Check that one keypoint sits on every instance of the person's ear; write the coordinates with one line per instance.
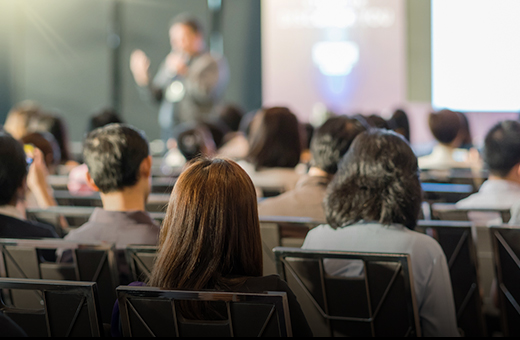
(145, 169)
(90, 182)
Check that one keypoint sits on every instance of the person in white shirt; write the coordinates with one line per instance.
(448, 129)
(372, 205)
(501, 155)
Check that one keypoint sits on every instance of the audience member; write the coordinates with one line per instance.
(399, 123)
(210, 240)
(466, 139)
(15, 178)
(372, 205)
(54, 124)
(377, 121)
(501, 155)
(275, 147)
(18, 118)
(104, 117)
(446, 127)
(236, 145)
(47, 144)
(119, 167)
(77, 183)
(329, 143)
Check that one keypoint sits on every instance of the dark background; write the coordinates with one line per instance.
(72, 56)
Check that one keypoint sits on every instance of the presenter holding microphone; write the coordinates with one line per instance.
(190, 81)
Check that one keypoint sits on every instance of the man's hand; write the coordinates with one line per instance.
(139, 65)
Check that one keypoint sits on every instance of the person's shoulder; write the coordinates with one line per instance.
(27, 228)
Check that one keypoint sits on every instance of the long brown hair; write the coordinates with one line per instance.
(210, 238)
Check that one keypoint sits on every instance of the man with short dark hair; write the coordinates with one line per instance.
(15, 179)
(189, 82)
(501, 156)
(329, 143)
(119, 167)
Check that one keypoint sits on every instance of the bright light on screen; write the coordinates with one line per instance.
(345, 55)
(476, 55)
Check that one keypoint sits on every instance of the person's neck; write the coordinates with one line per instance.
(510, 177)
(317, 172)
(128, 199)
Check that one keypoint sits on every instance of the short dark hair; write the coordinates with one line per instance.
(13, 167)
(377, 180)
(502, 147)
(332, 140)
(445, 125)
(189, 20)
(275, 139)
(104, 117)
(113, 155)
(192, 140)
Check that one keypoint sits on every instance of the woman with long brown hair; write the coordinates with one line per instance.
(210, 238)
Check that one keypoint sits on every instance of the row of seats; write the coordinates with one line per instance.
(304, 271)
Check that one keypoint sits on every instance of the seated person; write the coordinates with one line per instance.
(211, 240)
(190, 141)
(19, 118)
(329, 143)
(447, 128)
(501, 155)
(372, 205)
(77, 183)
(15, 178)
(119, 167)
(275, 148)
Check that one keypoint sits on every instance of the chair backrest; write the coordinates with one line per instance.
(85, 262)
(446, 192)
(279, 231)
(352, 293)
(140, 259)
(147, 311)
(457, 242)
(67, 308)
(449, 212)
(506, 246)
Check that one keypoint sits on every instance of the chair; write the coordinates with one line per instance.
(140, 259)
(450, 212)
(506, 247)
(456, 240)
(147, 311)
(446, 192)
(282, 231)
(67, 309)
(88, 262)
(380, 301)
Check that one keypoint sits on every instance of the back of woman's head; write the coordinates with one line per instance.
(377, 181)
(275, 139)
(19, 117)
(210, 236)
(56, 125)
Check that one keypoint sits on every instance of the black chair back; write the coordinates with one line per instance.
(446, 192)
(147, 311)
(352, 293)
(456, 240)
(506, 247)
(67, 308)
(278, 231)
(85, 262)
(449, 212)
(140, 259)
